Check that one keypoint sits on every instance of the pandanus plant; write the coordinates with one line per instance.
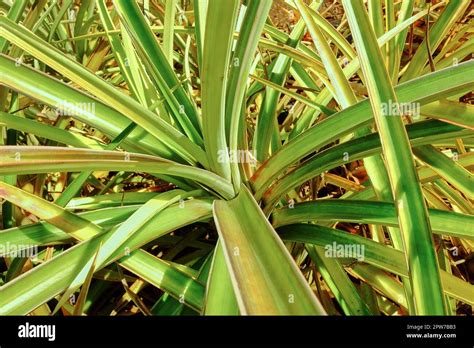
(197, 157)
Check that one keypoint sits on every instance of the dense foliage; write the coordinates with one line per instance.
(178, 157)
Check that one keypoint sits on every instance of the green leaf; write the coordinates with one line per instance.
(374, 253)
(220, 297)
(23, 294)
(448, 81)
(15, 13)
(338, 281)
(411, 209)
(266, 122)
(452, 12)
(368, 212)
(214, 76)
(420, 133)
(46, 131)
(160, 70)
(100, 88)
(447, 168)
(95, 113)
(168, 34)
(76, 185)
(49, 159)
(254, 20)
(264, 276)
(116, 238)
